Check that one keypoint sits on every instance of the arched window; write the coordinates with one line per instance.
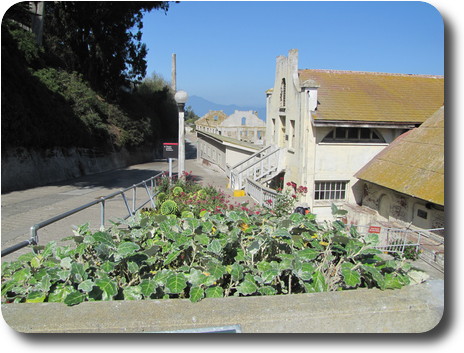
(243, 121)
(283, 93)
(353, 134)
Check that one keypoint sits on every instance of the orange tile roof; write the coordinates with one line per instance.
(375, 97)
(414, 163)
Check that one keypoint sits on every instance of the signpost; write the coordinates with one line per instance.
(170, 151)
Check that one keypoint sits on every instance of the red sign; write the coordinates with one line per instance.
(373, 229)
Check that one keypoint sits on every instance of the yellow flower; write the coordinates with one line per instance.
(314, 236)
(206, 273)
(323, 243)
(153, 272)
(244, 226)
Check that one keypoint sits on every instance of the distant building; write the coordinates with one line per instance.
(244, 126)
(210, 121)
(226, 140)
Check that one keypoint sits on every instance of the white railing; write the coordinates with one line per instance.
(392, 240)
(264, 196)
(259, 165)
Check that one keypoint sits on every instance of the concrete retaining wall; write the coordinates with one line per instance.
(22, 168)
(412, 309)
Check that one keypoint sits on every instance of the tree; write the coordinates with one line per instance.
(100, 39)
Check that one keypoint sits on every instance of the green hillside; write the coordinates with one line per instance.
(45, 104)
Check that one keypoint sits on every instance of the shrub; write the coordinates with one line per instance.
(235, 253)
(168, 207)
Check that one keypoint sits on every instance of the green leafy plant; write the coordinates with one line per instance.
(232, 253)
(168, 207)
(177, 190)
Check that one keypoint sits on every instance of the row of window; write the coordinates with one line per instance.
(330, 190)
(353, 134)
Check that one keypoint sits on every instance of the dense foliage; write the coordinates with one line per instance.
(49, 98)
(221, 250)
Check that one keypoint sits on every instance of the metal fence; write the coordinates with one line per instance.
(131, 207)
(392, 240)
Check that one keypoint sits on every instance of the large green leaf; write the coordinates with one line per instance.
(248, 286)
(318, 283)
(215, 247)
(236, 272)
(108, 266)
(307, 254)
(86, 286)
(78, 271)
(36, 297)
(126, 249)
(147, 287)
(172, 256)
(103, 238)
(176, 283)
(267, 290)
(216, 270)
(214, 292)
(375, 275)
(132, 293)
(60, 293)
(132, 267)
(269, 275)
(22, 275)
(196, 294)
(351, 277)
(74, 298)
(305, 271)
(202, 239)
(108, 287)
(44, 284)
(196, 277)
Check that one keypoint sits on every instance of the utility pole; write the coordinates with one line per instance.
(173, 74)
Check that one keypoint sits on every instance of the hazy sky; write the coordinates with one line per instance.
(226, 50)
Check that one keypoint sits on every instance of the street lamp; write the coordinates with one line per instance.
(181, 97)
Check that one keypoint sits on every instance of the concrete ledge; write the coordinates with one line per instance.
(412, 309)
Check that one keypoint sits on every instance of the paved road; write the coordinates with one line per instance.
(22, 209)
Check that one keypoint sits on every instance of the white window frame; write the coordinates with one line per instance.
(330, 190)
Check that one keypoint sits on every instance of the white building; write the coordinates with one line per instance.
(244, 126)
(329, 124)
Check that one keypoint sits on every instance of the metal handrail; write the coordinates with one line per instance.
(34, 240)
(256, 154)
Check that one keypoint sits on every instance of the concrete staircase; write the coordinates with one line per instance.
(261, 166)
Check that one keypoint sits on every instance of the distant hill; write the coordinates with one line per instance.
(202, 106)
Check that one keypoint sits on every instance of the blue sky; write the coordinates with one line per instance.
(226, 50)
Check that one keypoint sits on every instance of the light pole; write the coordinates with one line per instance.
(181, 97)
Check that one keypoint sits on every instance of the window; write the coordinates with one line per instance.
(353, 134)
(292, 133)
(330, 190)
(421, 214)
(283, 93)
(243, 121)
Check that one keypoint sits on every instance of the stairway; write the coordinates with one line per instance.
(261, 166)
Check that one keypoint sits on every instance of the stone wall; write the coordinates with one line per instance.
(23, 168)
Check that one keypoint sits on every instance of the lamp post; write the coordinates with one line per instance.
(181, 97)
